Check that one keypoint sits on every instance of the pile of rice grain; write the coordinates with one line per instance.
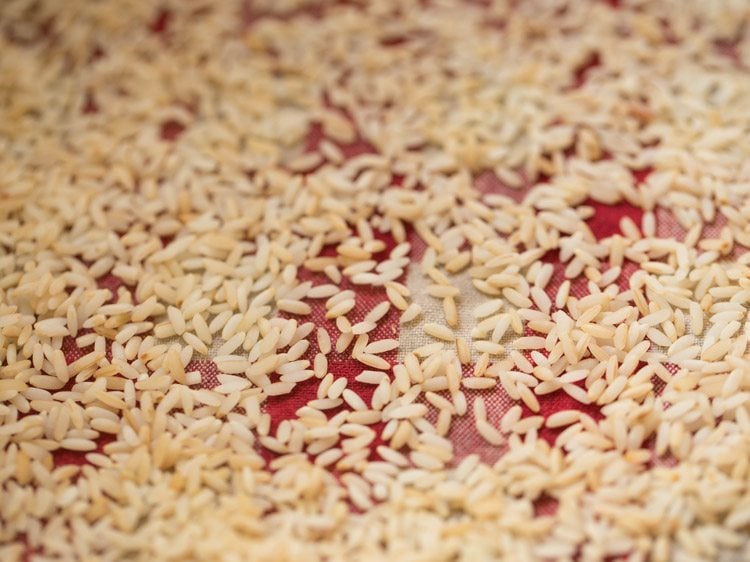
(209, 211)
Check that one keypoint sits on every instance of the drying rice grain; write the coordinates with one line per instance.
(439, 331)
